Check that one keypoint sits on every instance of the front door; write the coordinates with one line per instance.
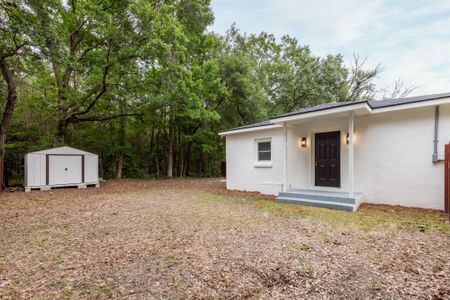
(328, 159)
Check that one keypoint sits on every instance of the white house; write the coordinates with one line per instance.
(62, 166)
(339, 155)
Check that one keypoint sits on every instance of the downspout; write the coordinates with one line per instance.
(284, 188)
(436, 132)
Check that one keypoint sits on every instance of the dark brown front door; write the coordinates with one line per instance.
(328, 159)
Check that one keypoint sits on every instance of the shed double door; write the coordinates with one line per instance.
(327, 159)
(65, 169)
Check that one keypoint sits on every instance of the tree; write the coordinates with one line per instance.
(398, 90)
(14, 47)
(293, 77)
(360, 83)
(144, 84)
(88, 46)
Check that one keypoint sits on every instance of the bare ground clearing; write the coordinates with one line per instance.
(183, 239)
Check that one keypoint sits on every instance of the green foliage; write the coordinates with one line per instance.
(147, 87)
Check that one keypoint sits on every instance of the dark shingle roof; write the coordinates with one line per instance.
(318, 107)
(374, 104)
(392, 102)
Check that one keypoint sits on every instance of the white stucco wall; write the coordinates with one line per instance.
(242, 174)
(392, 162)
(393, 157)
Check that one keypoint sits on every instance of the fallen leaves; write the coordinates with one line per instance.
(162, 239)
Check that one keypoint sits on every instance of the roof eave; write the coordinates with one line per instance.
(419, 104)
(244, 130)
(363, 107)
(326, 111)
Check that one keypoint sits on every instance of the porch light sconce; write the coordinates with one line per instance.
(348, 139)
(303, 142)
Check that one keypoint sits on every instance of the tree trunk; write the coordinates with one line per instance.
(148, 160)
(200, 163)
(122, 109)
(8, 76)
(156, 152)
(60, 133)
(180, 157)
(187, 159)
(176, 155)
(170, 150)
(119, 166)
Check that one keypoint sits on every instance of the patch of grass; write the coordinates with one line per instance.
(104, 290)
(306, 267)
(66, 291)
(374, 284)
(42, 240)
(365, 218)
(59, 260)
(306, 248)
(12, 290)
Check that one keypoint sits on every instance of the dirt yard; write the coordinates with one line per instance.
(189, 239)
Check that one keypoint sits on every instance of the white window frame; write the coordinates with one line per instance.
(263, 163)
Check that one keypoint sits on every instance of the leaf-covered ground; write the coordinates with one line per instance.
(184, 239)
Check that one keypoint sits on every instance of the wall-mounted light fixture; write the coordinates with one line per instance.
(303, 142)
(348, 139)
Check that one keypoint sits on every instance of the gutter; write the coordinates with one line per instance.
(323, 111)
(436, 134)
(249, 129)
(291, 114)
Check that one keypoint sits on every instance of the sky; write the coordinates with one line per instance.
(410, 38)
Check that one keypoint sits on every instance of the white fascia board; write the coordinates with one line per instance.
(323, 112)
(243, 130)
(63, 150)
(411, 105)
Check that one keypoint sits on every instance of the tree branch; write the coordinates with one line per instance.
(87, 50)
(103, 88)
(104, 118)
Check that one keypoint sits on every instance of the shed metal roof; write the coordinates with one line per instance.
(64, 150)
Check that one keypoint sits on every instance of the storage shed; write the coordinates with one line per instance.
(59, 167)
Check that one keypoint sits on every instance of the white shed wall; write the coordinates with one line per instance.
(35, 170)
(91, 168)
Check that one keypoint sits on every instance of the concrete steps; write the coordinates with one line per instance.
(331, 200)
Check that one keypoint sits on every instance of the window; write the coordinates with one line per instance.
(264, 151)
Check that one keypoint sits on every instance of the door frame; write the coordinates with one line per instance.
(312, 158)
(47, 167)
